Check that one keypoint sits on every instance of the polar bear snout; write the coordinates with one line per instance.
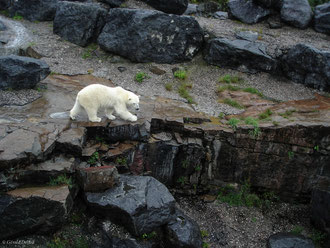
(136, 106)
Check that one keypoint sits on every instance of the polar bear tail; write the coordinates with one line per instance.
(75, 110)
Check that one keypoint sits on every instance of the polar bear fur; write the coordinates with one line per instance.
(97, 96)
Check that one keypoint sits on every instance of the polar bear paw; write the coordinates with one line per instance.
(111, 117)
(132, 118)
(97, 119)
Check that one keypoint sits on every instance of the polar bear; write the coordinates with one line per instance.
(97, 96)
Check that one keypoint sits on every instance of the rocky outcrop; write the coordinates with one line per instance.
(169, 6)
(276, 4)
(4, 4)
(322, 18)
(79, 23)
(154, 36)
(320, 208)
(113, 3)
(281, 240)
(246, 11)
(183, 232)
(242, 54)
(31, 210)
(21, 72)
(297, 13)
(71, 141)
(141, 204)
(307, 65)
(39, 10)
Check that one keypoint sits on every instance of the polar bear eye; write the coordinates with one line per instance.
(129, 99)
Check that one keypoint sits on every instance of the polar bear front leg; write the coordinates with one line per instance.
(108, 114)
(122, 111)
(91, 112)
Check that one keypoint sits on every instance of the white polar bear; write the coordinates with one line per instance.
(97, 96)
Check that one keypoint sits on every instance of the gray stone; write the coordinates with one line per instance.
(140, 204)
(246, 11)
(238, 53)
(297, 13)
(307, 65)
(35, 10)
(289, 240)
(191, 9)
(208, 8)
(19, 72)
(322, 18)
(71, 141)
(247, 35)
(221, 15)
(183, 232)
(4, 4)
(2, 26)
(79, 23)
(154, 36)
(320, 209)
(169, 6)
(275, 4)
(34, 210)
(113, 3)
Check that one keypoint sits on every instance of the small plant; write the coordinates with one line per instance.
(254, 219)
(233, 123)
(287, 113)
(121, 161)
(230, 79)
(232, 103)
(266, 114)
(180, 74)
(89, 50)
(54, 73)
(169, 86)
(205, 245)
(81, 242)
(221, 115)
(254, 122)
(182, 180)
(204, 234)
(148, 236)
(100, 139)
(316, 148)
(140, 76)
(31, 44)
(94, 158)
(290, 154)
(297, 230)
(253, 91)
(318, 237)
(227, 87)
(57, 243)
(61, 180)
(185, 164)
(197, 168)
(183, 92)
(4, 13)
(17, 17)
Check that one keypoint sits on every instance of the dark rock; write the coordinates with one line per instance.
(140, 204)
(320, 209)
(247, 35)
(246, 11)
(113, 3)
(221, 15)
(289, 240)
(322, 18)
(191, 9)
(307, 65)
(169, 6)
(297, 13)
(5, 4)
(2, 27)
(21, 72)
(79, 23)
(236, 53)
(72, 141)
(31, 210)
(122, 69)
(159, 37)
(275, 4)
(34, 10)
(183, 232)
(156, 70)
(208, 8)
(96, 179)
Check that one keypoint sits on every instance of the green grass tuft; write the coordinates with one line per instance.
(233, 123)
(253, 91)
(180, 74)
(233, 103)
(140, 76)
(266, 114)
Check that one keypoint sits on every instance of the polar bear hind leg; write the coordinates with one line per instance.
(75, 110)
(92, 114)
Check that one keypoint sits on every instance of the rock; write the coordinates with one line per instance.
(97, 179)
(183, 232)
(2, 26)
(79, 23)
(140, 204)
(297, 13)
(39, 210)
(320, 209)
(191, 9)
(134, 132)
(247, 35)
(221, 15)
(72, 141)
(236, 53)
(208, 8)
(39, 10)
(275, 4)
(113, 3)
(246, 11)
(4, 4)
(160, 37)
(169, 6)
(156, 70)
(21, 72)
(307, 65)
(322, 18)
(289, 240)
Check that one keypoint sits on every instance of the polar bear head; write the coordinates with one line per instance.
(133, 101)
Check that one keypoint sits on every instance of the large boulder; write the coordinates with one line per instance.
(322, 18)
(79, 23)
(30, 210)
(247, 55)
(169, 6)
(5, 4)
(19, 72)
(320, 209)
(297, 13)
(139, 203)
(275, 4)
(307, 65)
(147, 35)
(289, 240)
(246, 11)
(113, 3)
(34, 10)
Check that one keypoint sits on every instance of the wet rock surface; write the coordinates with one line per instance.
(289, 240)
(322, 18)
(177, 7)
(297, 13)
(320, 208)
(141, 204)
